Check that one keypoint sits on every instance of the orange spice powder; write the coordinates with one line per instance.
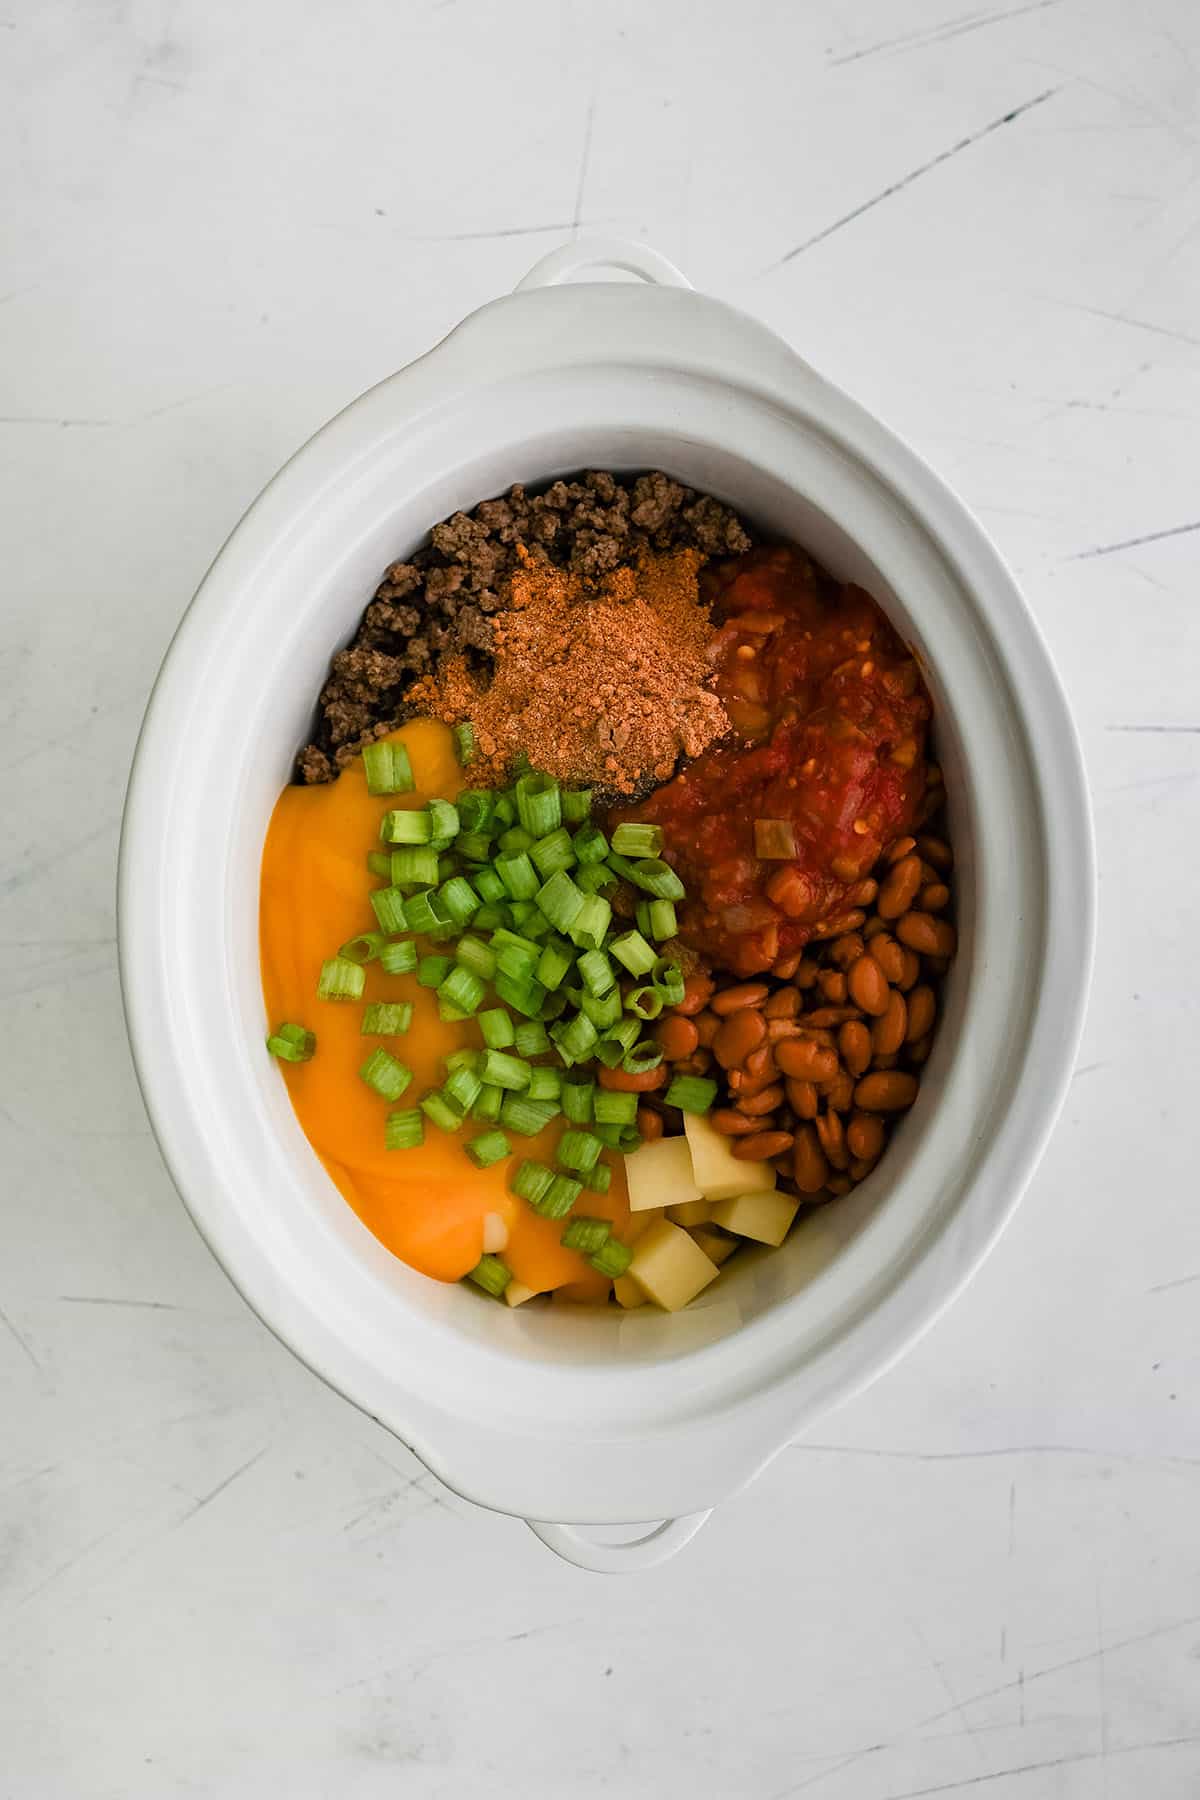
(597, 682)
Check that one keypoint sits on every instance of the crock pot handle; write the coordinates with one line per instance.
(572, 1543)
(603, 253)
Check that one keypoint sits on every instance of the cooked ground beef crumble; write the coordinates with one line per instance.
(439, 604)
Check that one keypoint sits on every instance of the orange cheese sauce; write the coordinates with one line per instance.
(427, 1205)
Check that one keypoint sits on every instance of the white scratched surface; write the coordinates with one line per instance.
(217, 224)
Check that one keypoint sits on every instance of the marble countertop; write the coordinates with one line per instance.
(218, 224)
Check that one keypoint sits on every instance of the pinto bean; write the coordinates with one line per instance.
(761, 1146)
(829, 1017)
(697, 990)
(707, 1026)
(832, 985)
(839, 1185)
(620, 1081)
(840, 923)
(810, 1171)
(650, 1124)
(784, 967)
(900, 886)
(676, 1037)
(886, 1091)
(802, 1097)
(922, 1010)
(839, 1093)
(737, 999)
(903, 846)
(832, 1139)
(919, 1052)
(806, 974)
(733, 1124)
(912, 971)
(846, 950)
(806, 1061)
(887, 1033)
(854, 1046)
(783, 1004)
(865, 1136)
(755, 1105)
(868, 985)
(740, 1032)
(934, 898)
(889, 955)
(930, 937)
(760, 1062)
(935, 850)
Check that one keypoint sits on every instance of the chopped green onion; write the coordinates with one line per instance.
(576, 805)
(592, 877)
(609, 1134)
(464, 742)
(576, 1036)
(530, 1180)
(476, 846)
(386, 1018)
(292, 1043)
(488, 1148)
(599, 1179)
(658, 878)
(433, 970)
(514, 840)
(609, 1053)
(461, 1087)
(487, 1103)
(341, 979)
(444, 818)
(500, 1070)
(385, 1074)
(525, 996)
(613, 1108)
(472, 953)
(539, 805)
(518, 875)
(691, 1093)
(663, 923)
(462, 1059)
(633, 953)
(667, 977)
(625, 1033)
(637, 840)
(545, 1084)
(603, 1011)
(555, 962)
(560, 900)
(463, 989)
(398, 958)
(476, 808)
(406, 827)
(643, 1057)
(526, 1117)
(440, 1111)
(459, 899)
(646, 1002)
(531, 1038)
(414, 865)
(553, 853)
(553, 1006)
(577, 1093)
(488, 885)
(612, 1258)
(497, 1028)
(629, 1140)
(505, 811)
(404, 1130)
(492, 1275)
(579, 1151)
(558, 1198)
(586, 1235)
(489, 916)
(517, 961)
(590, 844)
(449, 1012)
(388, 906)
(379, 862)
(364, 948)
(423, 912)
(596, 973)
(387, 769)
(591, 926)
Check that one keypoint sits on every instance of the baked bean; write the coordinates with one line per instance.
(863, 893)
(889, 955)
(910, 972)
(844, 921)
(806, 1061)
(806, 974)
(756, 1105)
(760, 1062)
(832, 986)
(846, 950)
(740, 1033)
(745, 1085)
(932, 801)
(698, 1063)
(802, 1097)
(900, 887)
(922, 1010)
(887, 1033)
(937, 851)
(697, 990)
(738, 999)
(935, 897)
(676, 1037)
(785, 966)
(650, 1124)
(858, 1171)
(783, 1004)
(886, 1062)
(832, 1140)
(733, 1124)
(707, 1026)
(889, 1090)
(839, 1093)
(903, 846)
(778, 1029)
(931, 937)
(829, 1017)
(620, 1081)
(854, 1046)
(865, 1136)
(839, 1185)
(874, 927)
(761, 1146)
(868, 986)
(810, 1171)
(919, 1052)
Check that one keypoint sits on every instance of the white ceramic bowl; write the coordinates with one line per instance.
(570, 1415)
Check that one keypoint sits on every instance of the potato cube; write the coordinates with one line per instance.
(627, 1292)
(640, 1222)
(669, 1267)
(516, 1293)
(691, 1212)
(716, 1246)
(764, 1217)
(660, 1174)
(717, 1172)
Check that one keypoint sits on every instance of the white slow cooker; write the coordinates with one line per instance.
(573, 1417)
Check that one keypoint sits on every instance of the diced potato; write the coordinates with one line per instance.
(692, 1212)
(716, 1246)
(764, 1217)
(640, 1222)
(716, 1171)
(627, 1292)
(660, 1174)
(669, 1267)
(516, 1293)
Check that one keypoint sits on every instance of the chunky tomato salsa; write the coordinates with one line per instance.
(775, 831)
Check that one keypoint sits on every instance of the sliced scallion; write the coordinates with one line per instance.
(497, 1028)
(658, 878)
(488, 1148)
(527, 1117)
(501, 1070)
(633, 953)
(440, 1111)
(292, 1043)
(462, 1087)
(578, 1151)
(560, 900)
(577, 1095)
(341, 979)
(364, 948)
(477, 956)
(558, 1199)
(576, 805)
(464, 742)
(691, 1093)
(586, 1235)
(387, 769)
(487, 1103)
(490, 1274)
(612, 1258)
(539, 804)
(404, 1130)
(388, 906)
(637, 840)
(386, 1018)
(433, 970)
(612, 1108)
(406, 827)
(463, 989)
(385, 1075)
(530, 1180)
(399, 958)
(531, 1038)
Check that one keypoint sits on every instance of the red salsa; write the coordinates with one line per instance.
(773, 828)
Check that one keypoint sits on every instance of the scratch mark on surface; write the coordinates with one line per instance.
(509, 231)
(49, 419)
(19, 1340)
(1120, 318)
(1150, 537)
(936, 34)
(1088, 1069)
(1012, 1519)
(207, 1499)
(1051, 1762)
(35, 869)
(112, 1300)
(944, 1682)
(1164, 1287)
(1166, 730)
(905, 181)
(946, 1456)
(584, 160)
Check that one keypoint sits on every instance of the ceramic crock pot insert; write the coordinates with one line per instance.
(574, 1414)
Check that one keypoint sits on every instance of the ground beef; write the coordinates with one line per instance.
(438, 603)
